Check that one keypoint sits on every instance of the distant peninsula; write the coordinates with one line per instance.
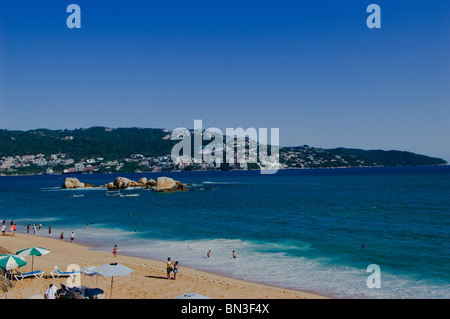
(125, 150)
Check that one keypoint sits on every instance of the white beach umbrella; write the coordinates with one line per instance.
(112, 270)
(90, 271)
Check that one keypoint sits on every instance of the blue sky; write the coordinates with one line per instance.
(310, 68)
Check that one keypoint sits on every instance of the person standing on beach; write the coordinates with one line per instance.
(115, 250)
(208, 254)
(175, 270)
(62, 236)
(14, 228)
(49, 230)
(169, 267)
(34, 229)
(3, 229)
(72, 237)
(28, 228)
(51, 293)
(40, 226)
(234, 254)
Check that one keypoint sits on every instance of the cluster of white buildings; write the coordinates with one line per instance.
(63, 163)
(22, 161)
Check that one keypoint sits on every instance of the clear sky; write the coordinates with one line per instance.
(313, 69)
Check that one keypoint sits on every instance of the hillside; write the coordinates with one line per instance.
(84, 143)
(101, 149)
(310, 157)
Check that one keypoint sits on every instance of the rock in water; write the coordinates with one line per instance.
(122, 183)
(72, 182)
(110, 186)
(167, 184)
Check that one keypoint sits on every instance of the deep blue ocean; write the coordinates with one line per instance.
(301, 229)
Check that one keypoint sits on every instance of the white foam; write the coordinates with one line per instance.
(37, 220)
(262, 263)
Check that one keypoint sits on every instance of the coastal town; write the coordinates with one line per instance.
(135, 150)
(62, 163)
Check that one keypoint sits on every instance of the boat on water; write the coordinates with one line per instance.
(130, 195)
(80, 195)
(113, 193)
(117, 193)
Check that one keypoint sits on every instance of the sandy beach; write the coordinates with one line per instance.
(147, 281)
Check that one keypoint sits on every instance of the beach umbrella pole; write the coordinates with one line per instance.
(110, 295)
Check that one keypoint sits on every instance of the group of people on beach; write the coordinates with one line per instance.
(12, 228)
(36, 229)
(172, 267)
(72, 236)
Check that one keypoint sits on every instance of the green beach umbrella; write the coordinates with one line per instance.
(33, 251)
(10, 261)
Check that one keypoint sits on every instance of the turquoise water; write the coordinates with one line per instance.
(301, 229)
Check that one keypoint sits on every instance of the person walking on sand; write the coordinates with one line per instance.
(34, 229)
(62, 236)
(3, 230)
(72, 237)
(115, 250)
(28, 228)
(14, 228)
(169, 267)
(175, 270)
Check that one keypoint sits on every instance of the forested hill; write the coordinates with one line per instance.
(84, 143)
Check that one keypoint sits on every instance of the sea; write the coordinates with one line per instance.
(317, 230)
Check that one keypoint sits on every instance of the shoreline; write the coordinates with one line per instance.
(147, 281)
(230, 170)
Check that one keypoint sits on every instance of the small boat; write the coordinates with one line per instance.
(82, 195)
(130, 195)
(113, 193)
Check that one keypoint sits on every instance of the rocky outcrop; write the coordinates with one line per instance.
(162, 185)
(122, 183)
(72, 182)
(150, 184)
(167, 185)
(110, 186)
